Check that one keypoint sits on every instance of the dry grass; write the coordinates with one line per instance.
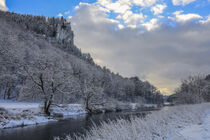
(160, 125)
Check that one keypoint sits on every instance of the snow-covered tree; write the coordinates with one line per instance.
(195, 89)
(92, 95)
(48, 80)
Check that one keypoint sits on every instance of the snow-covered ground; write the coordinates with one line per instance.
(199, 131)
(18, 114)
(182, 122)
(8, 104)
(69, 110)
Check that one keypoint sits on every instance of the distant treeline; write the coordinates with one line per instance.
(195, 89)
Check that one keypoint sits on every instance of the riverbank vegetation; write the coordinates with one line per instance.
(194, 89)
(160, 125)
(19, 114)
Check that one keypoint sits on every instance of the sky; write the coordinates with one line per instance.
(162, 41)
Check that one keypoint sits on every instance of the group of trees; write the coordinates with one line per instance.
(195, 89)
(35, 69)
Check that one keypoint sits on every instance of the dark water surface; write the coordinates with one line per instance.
(78, 124)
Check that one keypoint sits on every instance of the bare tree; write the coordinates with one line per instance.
(49, 81)
(92, 95)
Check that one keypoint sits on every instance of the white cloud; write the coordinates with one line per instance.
(160, 16)
(123, 9)
(67, 13)
(97, 13)
(120, 26)
(69, 18)
(158, 9)
(151, 25)
(60, 15)
(144, 3)
(182, 2)
(183, 18)
(120, 6)
(206, 20)
(131, 19)
(3, 6)
(123, 5)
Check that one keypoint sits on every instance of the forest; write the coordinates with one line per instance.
(39, 62)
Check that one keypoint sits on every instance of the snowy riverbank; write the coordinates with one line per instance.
(198, 131)
(178, 122)
(18, 114)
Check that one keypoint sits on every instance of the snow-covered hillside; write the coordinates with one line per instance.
(18, 114)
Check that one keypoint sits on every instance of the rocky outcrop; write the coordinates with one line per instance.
(55, 30)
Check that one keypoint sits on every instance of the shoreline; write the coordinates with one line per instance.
(165, 124)
(21, 114)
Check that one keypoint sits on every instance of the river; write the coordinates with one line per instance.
(70, 126)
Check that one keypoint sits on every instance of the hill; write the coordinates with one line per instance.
(39, 61)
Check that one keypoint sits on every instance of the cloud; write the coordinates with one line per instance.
(120, 6)
(151, 25)
(60, 15)
(124, 12)
(183, 18)
(95, 13)
(163, 56)
(3, 6)
(205, 21)
(120, 26)
(125, 17)
(132, 19)
(67, 12)
(182, 2)
(158, 9)
(144, 3)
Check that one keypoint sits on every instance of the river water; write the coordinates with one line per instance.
(75, 125)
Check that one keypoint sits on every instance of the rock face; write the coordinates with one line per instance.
(64, 33)
(54, 29)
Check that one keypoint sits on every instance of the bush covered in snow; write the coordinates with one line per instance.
(194, 89)
(160, 125)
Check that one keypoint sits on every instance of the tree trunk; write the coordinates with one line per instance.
(9, 93)
(87, 105)
(46, 111)
(47, 105)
